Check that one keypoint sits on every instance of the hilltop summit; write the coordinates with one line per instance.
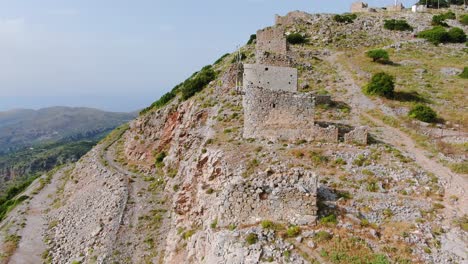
(211, 173)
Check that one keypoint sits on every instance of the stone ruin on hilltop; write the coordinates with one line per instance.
(274, 109)
(361, 7)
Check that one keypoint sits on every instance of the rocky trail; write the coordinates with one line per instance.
(455, 184)
(129, 244)
(32, 245)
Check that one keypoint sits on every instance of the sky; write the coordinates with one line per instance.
(121, 55)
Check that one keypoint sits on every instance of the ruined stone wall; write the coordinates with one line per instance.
(395, 8)
(278, 115)
(292, 18)
(358, 7)
(326, 134)
(357, 136)
(270, 77)
(288, 196)
(273, 59)
(272, 40)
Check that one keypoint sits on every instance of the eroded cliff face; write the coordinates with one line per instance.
(181, 184)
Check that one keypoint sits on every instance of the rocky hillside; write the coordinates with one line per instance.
(180, 184)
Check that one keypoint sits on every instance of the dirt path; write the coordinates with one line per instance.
(140, 205)
(32, 245)
(455, 184)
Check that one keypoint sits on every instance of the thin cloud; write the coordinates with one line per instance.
(63, 12)
(166, 28)
(12, 25)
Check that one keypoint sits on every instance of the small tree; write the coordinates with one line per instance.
(423, 113)
(296, 38)
(378, 55)
(456, 35)
(252, 38)
(381, 84)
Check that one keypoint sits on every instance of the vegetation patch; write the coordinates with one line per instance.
(251, 239)
(439, 20)
(252, 38)
(329, 220)
(399, 25)
(293, 231)
(381, 84)
(378, 55)
(423, 113)
(439, 34)
(464, 74)
(345, 18)
(464, 19)
(296, 38)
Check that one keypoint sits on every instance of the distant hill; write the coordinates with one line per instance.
(22, 128)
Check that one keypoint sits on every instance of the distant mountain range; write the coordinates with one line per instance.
(22, 128)
(35, 141)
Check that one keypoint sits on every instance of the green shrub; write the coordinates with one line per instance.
(160, 159)
(439, 20)
(188, 234)
(214, 224)
(464, 74)
(266, 224)
(195, 84)
(293, 231)
(296, 38)
(448, 15)
(345, 18)
(464, 20)
(221, 58)
(456, 35)
(436, 35)
(423, 113)
(252, 38)
(329, 220)
(400, 25)
(164, 100)
(322, 236)
(378, 55)
(381, 84)
(251, 239)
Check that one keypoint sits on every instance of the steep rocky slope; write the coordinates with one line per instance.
(181, 185)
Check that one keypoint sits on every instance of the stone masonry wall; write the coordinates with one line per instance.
(292, 18)
(357, 136)
(357, 7)
(272, 40)
(285, 195)
(278, 115)
(273, 59)
(272, 47)
(270, 77)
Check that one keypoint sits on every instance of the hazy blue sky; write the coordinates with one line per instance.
(122, 55)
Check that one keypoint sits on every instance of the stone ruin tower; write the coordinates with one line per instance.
(273, 107)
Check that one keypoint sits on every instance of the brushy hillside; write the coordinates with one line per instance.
(181, 185)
